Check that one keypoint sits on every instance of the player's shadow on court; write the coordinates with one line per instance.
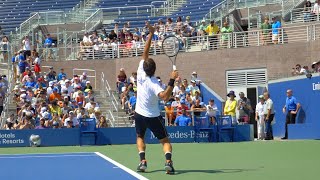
(209, 171)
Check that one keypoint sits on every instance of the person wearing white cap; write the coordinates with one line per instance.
(315, 67)
(88, 87)
(176, 88)
(193, 88)
(202, 28)
(50, 88)
(194, 76)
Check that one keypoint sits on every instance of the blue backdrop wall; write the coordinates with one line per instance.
(307, 92)
(208, 93)
(71, 137)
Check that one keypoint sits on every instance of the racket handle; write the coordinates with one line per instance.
(174, 67)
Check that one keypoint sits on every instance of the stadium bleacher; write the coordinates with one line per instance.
(14, 12)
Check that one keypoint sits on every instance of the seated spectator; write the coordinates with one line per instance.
(194, 76)
(316, 7)
(176, 101)
(169, 26)
(102, 122)
(298, 70)
(189, 100)
(307, 11)
(121, 80)
(193, 88)
(10, 123)
(169, 113)
(183, 120)
(212, 111)
(86, 41)
(70, 120)
(182, 106)
(198, 108)
(202, 28)
(42, 124)
(315, 67)
(176, 88)
(179, 23)
(132, 102)
(55, 95)
(197, 97)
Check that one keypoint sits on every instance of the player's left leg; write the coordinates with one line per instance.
(141, 130)
(156, 125)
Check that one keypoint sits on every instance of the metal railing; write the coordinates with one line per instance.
(127, 11)
(91, 75)
(94, 20)
(28, 25)
(159, 8)
(288, 5)
(302, 15)
(292, 34)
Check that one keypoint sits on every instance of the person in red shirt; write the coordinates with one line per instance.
(181, 106)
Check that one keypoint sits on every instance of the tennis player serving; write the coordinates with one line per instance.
(147, 107)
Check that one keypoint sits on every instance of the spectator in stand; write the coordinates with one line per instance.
(86, 41)
(5, 48)
(176, 89)
(202, 28)
(316, 8)
(61, 74)
(169, 26)
(244, 108)
(183, 120)
(42, 124)
(10, 123)
(179, 23)
(291, 109)
(71, 120)
(194, 76)
(298, 70)
(315, 67)
(212, 111)
(269, 116)
(26, 46)
(212, 30)
(276, 25)
(230, 107)
(132, 102)
(196, 97)
(226, 35)
(37, 64)
(51, 75)
(307, 11)
(115, 29)
(265, 31)
(193, 88)
(198, 108)
(182, 105)
(169, 113)
(133, 79)
(102, 122)
(121, 79)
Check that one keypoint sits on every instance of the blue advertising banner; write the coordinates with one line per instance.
(71, 137)
(307, 93)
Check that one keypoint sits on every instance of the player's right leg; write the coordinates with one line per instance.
(140, 131)
(156, 125)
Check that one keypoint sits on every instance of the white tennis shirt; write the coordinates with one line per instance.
(148, 90)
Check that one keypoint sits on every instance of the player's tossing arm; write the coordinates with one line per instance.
(145, 54)
(165, 95)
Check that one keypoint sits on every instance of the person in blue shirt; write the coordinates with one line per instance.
(132, 102)
(291, 108)
(183, 120)
(61, 74)
(276, 25)
(30, 83)
(48, 41)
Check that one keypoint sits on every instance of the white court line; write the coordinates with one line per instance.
(133, 173)
(49, 156)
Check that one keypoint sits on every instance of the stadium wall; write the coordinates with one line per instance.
(307, 92)
(210, 65)
(71, 137)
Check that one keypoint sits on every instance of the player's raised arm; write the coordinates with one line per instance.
(145, 54)
(166, 94)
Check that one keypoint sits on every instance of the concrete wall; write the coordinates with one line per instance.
(211, 65)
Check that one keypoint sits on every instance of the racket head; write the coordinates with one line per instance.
(170, 46)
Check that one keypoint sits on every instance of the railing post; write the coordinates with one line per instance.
(208, 43)
(235, 40)
(258, 38)
(282, 38)
(291, 16)
(308, 34)
(314, 32)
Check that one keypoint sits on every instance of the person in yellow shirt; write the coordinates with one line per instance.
(212, 30)
(230, 107)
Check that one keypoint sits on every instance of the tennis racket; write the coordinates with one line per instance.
(170, 46)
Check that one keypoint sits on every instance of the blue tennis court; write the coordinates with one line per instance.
(78, 166)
